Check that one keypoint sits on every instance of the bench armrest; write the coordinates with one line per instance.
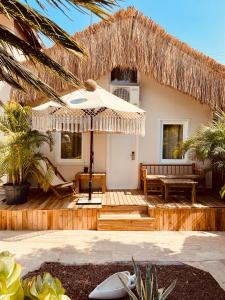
(143, 172)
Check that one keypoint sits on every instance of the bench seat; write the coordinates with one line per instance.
(150, 175)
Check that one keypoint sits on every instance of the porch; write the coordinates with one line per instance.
(120, 210)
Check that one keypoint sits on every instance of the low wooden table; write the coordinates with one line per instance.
(168, 183)
(95, 176)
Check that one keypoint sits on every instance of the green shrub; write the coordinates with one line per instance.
(12, 287)
(148, 290)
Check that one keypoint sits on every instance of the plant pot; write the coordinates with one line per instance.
(16, 194)
(85, 169)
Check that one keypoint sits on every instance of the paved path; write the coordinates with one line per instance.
(201, 249)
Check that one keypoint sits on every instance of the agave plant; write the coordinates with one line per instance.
(44, 288)
(149, 289)
(20, 157)
(10, 283)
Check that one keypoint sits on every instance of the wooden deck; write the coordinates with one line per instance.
(120, 210)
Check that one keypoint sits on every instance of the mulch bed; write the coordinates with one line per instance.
(80, 280)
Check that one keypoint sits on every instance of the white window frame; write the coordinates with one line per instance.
(69, 161)
(186, 125)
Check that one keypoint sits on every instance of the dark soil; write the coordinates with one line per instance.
(80, 280)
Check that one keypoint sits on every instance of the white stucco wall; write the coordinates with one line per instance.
(164, 103)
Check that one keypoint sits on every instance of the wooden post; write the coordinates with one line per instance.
(193, 193)
(166, 192)
(91, 160)
(193, 168)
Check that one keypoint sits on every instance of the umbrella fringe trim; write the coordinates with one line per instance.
(83, 124)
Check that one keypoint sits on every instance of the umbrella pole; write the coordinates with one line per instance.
(91, 161)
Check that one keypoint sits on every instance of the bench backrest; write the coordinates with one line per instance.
(168, 169)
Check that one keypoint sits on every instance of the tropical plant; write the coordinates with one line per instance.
(148, 290)
(20, 157)
(31, 22)
(208, 143)
(12, 287)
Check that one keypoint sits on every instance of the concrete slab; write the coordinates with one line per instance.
(204, 250)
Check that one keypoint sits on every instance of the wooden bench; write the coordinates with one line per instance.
(150, 175)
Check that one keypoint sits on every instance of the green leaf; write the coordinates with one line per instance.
(166, 292)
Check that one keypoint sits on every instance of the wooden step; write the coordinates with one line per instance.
(125, 209)
(123, 222)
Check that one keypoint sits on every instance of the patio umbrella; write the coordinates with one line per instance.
(92, 109)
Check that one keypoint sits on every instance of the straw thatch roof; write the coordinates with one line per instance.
(132, 40)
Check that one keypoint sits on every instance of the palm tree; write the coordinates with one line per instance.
(209, 144)
(31, 22)
(20, 157)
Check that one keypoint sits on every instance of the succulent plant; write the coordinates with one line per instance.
(44, 288)
(10, 282)
(148, 290)
(37, 288)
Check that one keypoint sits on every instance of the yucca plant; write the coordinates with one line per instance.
(20, 157)
(148, 289)
(12, 287)
(32, 22)
(208, 143)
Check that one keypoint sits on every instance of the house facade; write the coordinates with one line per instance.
(171, 117)
(137, 60)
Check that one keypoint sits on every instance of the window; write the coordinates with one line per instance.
(124, 76)
(69, 147)
(173, 133)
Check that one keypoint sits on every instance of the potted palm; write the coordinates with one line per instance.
(20, 158)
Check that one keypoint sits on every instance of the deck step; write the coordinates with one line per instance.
(125, 209)
(123, 222)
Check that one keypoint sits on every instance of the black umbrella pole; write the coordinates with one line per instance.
(91, 164)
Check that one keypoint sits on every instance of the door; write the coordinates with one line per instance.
(122, 161)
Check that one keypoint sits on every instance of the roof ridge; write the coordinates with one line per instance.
(131, 11)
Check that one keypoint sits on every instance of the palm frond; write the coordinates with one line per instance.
(10, 80)
(26, 16)
(31, 22)
(8, 39)
(16, 71)
(98, 7)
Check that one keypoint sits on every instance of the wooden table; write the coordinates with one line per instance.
(178, 183)
(95, 177)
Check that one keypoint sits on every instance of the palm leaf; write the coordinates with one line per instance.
(30, 22)
(16, 71)
(7, 39)
(27, 16)
(98, 7)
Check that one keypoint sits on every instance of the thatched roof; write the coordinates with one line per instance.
(132, 40)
